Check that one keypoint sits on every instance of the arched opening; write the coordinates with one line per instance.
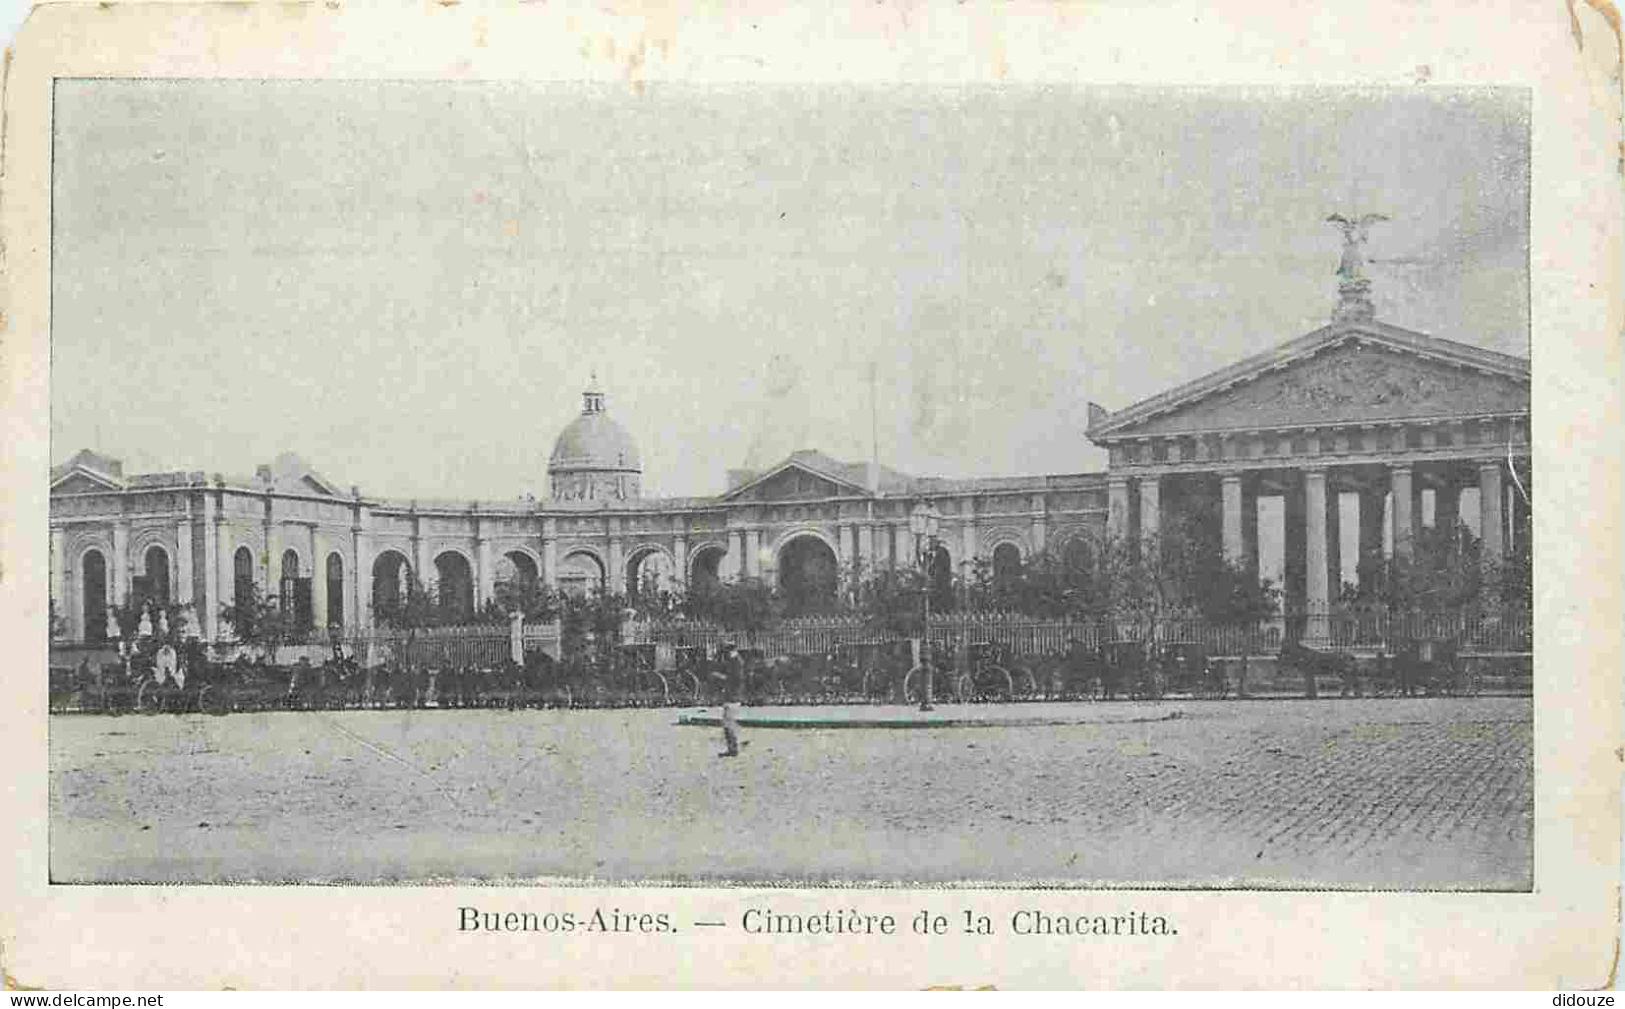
(648, 573)
(152, 585)
(1006, 566)
(93, 602)
(809, 576)
(580, 572)
(454, 585)
(335, 590)
(293, 591)
(705, 569)
(515, 581)
(242, 576)
(391, 577)
(1076, 561)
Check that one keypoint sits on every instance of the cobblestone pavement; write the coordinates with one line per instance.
(1345, 793)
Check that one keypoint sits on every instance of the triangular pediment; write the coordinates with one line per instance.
(291, 474)
(795, 481)
(82, 481)
(1343, 375)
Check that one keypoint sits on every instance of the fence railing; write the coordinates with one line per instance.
(1502, 631)
(489, 645)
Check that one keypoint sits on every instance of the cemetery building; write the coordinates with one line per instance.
(1346, 439)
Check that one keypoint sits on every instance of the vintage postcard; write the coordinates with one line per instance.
(801, 497)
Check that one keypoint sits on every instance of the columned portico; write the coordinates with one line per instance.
(1397, 421)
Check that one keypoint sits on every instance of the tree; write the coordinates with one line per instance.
(1443, 573)
(258, 622)
(529, 597)
(589, 626)
(746, 605)
(891, 600)
(417, 607)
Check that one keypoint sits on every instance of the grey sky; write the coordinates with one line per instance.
(408, 283)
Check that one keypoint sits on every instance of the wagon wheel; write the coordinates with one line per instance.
(910, 683)
(694, 684)
(148, 700)
(213, 700)
(1031, 687)
(1009, 682)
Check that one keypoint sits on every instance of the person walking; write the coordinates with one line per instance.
(731, 675)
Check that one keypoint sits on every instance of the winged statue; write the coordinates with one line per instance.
(1355, 231)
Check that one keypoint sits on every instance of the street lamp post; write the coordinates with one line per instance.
(924, 523)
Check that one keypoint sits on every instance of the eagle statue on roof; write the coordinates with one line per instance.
(1355, 231)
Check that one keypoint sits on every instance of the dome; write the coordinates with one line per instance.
(594, 441)
(594, 457)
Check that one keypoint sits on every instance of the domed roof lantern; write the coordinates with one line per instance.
(592, 400)
(594, 458)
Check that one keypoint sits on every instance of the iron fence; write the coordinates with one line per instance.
(1505, 632)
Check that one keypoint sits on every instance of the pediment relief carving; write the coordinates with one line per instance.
(794, 485)
(80, 484)
(1350, 383)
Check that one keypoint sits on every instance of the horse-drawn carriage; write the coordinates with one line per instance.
(1186, 668)
(1316, 663)
(1425, 666)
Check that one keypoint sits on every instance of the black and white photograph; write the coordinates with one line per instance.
(880, 485)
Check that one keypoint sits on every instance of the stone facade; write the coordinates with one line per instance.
(1391, 417)
(1358, 407)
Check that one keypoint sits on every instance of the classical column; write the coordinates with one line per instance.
(422, 563)
(617, 561)
(1230, 493)
(1317, 599)
(901, 557)
(209, 608)
(361, 570)
(1370, 562)
(225, 567)
(485, 571)
(1040, 530)
(734, 563)
(970, 543)
(679, 559)
(120, 586)
(1249, 527)
(1117, 518)
(844, 545)
(269, 559)
(1294, 535)
(1490, 517)
(183, 563)
(59, 579)
(59, 560)
(318, 580)
(1150, 507)
(866, 548)
(1334, 541)
(550, 553)
(1404, 508)
(753, 553)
